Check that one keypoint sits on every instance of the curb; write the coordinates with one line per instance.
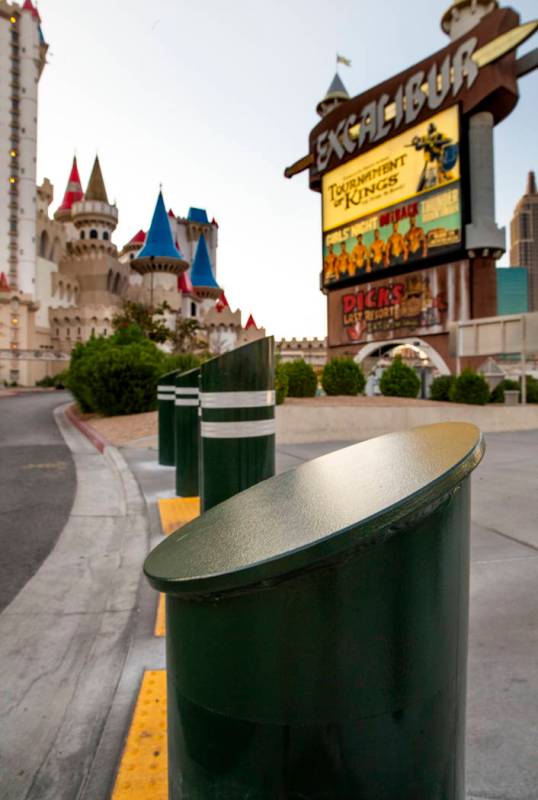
(98, 441)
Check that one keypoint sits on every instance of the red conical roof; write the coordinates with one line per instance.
(184, 283)
(171, 214)
(214, 222)
(73, 191)
(251, 323)
(4, 283)
(138, 238)
(28, 6)
(222, 303)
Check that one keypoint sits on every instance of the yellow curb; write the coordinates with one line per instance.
(177, 511)
(143, 771)
(160, 620)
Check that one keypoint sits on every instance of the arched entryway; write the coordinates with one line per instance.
(380, 348)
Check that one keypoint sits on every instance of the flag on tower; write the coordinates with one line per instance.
(343, 60)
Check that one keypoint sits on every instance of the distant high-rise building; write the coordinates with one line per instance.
(524, 238)
(22, 58)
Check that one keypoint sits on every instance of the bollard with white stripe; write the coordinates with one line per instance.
(187, 433)
(237, 401)
(166, 393)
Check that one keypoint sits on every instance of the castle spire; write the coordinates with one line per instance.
(159, 253)
(203, 281)
(73, 193)
(531, 183)
(96, 186)
(336, 94)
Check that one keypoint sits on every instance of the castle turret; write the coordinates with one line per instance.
(159, 253)
(203, 280)
(73, 194)
(94, 218)
(335, 96)
(463, 15)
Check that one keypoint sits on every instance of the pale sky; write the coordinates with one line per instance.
(214, 99)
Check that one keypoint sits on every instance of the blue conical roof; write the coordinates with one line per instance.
(201, 273)
(159, 242)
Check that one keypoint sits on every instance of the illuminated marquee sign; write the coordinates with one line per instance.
(396, 205)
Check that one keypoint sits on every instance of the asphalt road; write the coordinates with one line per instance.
(37, 486)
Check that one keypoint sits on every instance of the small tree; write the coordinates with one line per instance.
(302, 380)
(399, 380)
(440, 388)
(281, 384)
(149, 320)
(184, 337)
(343, 376)
(470, 387)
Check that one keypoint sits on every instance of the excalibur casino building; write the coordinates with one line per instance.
(406, 176)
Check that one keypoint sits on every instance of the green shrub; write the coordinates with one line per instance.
(182, 361)
(302, 380)
(79, 379)
(470, 387)
(532, 389)
(123, 380)
(440, 388)
(342, 376)
(497, 395)
(399, 380)
(281, 384)
(46, 383)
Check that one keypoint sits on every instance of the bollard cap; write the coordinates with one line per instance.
(354, 497)
(189, 379)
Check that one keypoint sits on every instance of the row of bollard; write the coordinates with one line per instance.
(317, 623)
(217, 423)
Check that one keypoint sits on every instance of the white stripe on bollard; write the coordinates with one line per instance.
(165, 397)
(238, 430)
(238, 399)
(166, 388)
(184, 402)
(187, 390)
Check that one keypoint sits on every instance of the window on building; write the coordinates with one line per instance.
(93, 234)
(83, 234)
(68, 332)
(43, 244)
(79, 330)
(194, 309)
(106, 236)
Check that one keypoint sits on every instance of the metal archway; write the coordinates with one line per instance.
(435, 357)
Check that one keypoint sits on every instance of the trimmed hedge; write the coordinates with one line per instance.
(302, 380)
(343, 376)
(470, 387)
(399, 380)
(440, 388)
(497, 395)
(281, 384)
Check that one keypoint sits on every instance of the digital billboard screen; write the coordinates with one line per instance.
(396, 206)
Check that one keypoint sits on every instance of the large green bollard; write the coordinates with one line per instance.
(237, 399)
(187, 433)
(166, 392)
(317, 628)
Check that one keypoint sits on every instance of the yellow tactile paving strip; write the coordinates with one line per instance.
(177, 511)
(160, 620)
(143, 772)
(174, 512)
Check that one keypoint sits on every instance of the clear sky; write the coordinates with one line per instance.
(214, 99)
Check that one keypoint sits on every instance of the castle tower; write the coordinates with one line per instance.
(91, 256)
(463, 15)
(335, 96)
(22, 57)
(203, 280)
(524, 238)
(73, 194)
(159, 261)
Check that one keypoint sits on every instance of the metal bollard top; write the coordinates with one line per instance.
(355, 497)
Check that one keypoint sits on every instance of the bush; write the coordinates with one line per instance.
(46, 383)
(497, 395)
(440, 388)
(60, 380)
(117, 374)
(302, 380)
(532, 389)
(343, 376)
(281, 384)
(399, 380)
(470, 387)
(123, 380)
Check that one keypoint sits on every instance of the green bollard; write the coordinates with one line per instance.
(166, 392)
(187, 433)
(317, 628)
(238, 421)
